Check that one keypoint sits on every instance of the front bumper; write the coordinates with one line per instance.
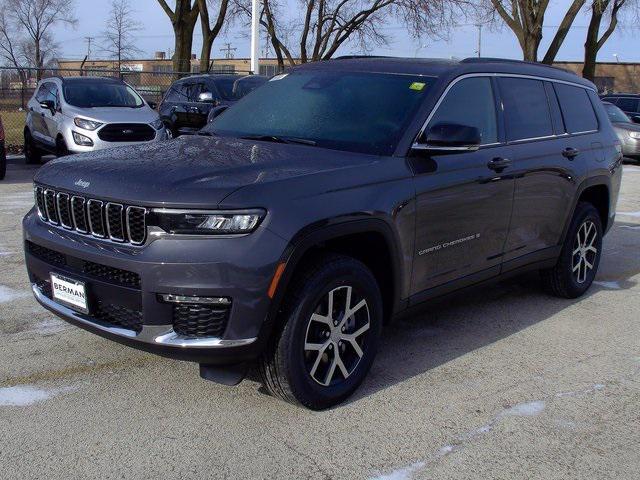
(237, 268)
(99, 144)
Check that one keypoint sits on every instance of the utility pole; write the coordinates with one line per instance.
(228, 51)
(479, 25)
(88, 40)
(255, 37)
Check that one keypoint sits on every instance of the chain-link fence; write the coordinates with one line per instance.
(18, 84)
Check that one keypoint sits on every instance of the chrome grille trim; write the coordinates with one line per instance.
(40, 206)
(51, 216)
(85, 221)
(130, 212)
(92, 227)
(109, 226)
(62, 199)
(127, 225)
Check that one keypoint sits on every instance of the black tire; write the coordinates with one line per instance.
(286, 367)
(563, 280)
(3, 162)
(171, 134)
(32, 154)
(61, 147)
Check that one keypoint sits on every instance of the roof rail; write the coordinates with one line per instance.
(509, 60)
(356, 57)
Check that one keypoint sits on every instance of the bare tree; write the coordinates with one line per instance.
(209, 32)
(183, 19)
(35, 18)
(119, 40)
(601, 9)
(526, 19)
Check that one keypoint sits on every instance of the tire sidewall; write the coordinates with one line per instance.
(305, 388)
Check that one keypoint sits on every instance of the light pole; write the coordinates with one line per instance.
(616, 57)
(420, 47)
(255, 37)
(479, 25)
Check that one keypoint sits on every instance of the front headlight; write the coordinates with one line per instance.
(207, 223)
(158, 124)
(635, 135)
(86, 124)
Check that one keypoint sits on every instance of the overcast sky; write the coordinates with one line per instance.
(157, 34)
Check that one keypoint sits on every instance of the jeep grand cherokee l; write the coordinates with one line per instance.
(307, 216)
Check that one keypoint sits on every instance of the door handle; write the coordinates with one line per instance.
(498, 164)
(570, 153)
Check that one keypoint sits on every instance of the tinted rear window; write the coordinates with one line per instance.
(576, 107)
(627, 104)
(526, 108)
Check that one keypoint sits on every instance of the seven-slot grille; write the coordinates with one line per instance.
(109, 220)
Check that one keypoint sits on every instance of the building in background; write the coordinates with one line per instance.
(610, 76)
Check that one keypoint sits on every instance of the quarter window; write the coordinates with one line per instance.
(526, 108)
(470, 102)
(576, 107)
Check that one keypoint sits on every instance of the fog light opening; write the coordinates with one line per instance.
(170, 298)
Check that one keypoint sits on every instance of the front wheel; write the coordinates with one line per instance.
(61, 147)
(580, 256)
(32, 154)
(3, 162)
(329, 332)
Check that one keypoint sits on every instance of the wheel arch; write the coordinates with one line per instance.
(371, 241)
(597, 191)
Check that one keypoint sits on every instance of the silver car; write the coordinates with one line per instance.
(627, 131)
(82, 114)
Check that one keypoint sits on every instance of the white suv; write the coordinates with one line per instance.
(82, 114)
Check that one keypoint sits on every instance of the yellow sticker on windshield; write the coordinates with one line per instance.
(417, 86)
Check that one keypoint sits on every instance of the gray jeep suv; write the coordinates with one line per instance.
(322, 206)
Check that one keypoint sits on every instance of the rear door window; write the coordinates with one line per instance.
(470, 102)
(177, 93)
(576, 107)
(627, 104)
(526, 108)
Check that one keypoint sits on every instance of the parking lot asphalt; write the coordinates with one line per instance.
(503, 382)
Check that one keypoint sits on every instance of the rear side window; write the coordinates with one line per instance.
(526, 108)
(177, 93)
(470, 102)
(627, 104)
(576, 107)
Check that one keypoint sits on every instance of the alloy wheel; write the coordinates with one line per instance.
(336, 336)
(584, 251)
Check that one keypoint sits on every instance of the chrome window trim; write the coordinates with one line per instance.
(416, 145)
(46, 207)
(106, 217)
(59, 196)
(144, 216)
(91, 229)
(84, 211)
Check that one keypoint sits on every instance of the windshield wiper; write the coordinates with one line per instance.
(277, 139)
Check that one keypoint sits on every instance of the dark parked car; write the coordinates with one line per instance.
(241, 87)
(3, 153)
(187, 103)
(302, 220)
(627, 131)
(627, 102)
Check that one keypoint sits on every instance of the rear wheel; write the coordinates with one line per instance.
(32, 154)
(580, 256)
(330, 329)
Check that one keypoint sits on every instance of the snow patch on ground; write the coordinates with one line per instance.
(25, 395)
(592, 389)
(404, 473)
(8, 294)
(529, 409)
(609, 284)
(51, 326)
(629, 214)
(630, 227)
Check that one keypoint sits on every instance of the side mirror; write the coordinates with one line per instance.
(152, 105)
(49, 105)
(206, 97)
(215, 112)
(449, 137)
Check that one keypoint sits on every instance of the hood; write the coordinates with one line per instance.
(142, 114)
(192, 171)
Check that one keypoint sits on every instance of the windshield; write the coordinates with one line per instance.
(98, 94)
(352, 111)
(615, 114)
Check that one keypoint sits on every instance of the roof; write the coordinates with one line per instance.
(441, 67)
(89, 79)
(213, 75)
